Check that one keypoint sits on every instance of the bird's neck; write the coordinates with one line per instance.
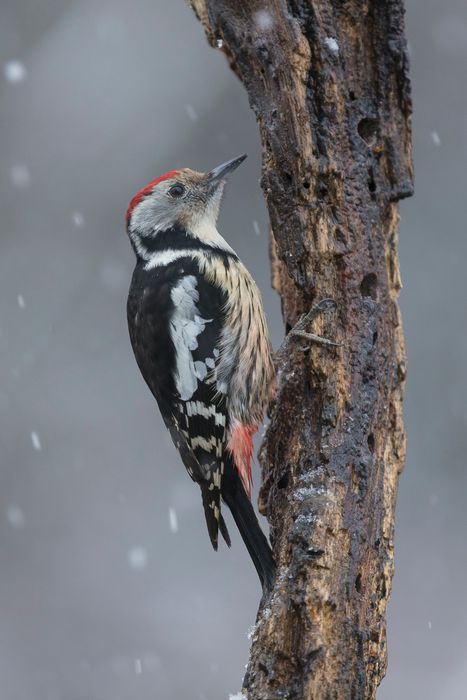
(205, 231)
(173, 242)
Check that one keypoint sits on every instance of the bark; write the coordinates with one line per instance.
(328, 81)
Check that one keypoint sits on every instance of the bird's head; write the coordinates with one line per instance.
(182, 199)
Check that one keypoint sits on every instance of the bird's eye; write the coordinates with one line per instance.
(177, 190)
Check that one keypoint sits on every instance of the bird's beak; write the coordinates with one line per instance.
(217, 174)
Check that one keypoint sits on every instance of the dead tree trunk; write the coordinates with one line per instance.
(328, 81)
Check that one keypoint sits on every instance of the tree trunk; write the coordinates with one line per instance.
(328, 81)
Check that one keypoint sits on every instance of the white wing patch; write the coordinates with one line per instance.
(201, 369)
(185, 327)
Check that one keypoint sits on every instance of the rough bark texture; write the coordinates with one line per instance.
(328, 81)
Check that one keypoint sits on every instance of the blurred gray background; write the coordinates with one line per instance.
(108, 585)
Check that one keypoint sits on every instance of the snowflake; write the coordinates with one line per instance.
(14, 71)
(173, 520)
(190, 110)
(332, 44)
(264, 20)
(15, 516)
(77, 219)
(20, 175)
(36, 443)
(138, 558)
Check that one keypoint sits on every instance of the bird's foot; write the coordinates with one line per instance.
(299, 330)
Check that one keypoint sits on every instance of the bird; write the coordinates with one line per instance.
(200, 338)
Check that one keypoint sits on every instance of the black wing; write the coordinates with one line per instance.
(175, 318)
(202, 418)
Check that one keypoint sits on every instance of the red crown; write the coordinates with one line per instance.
(145, 191)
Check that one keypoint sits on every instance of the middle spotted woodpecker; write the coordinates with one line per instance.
(200, 339)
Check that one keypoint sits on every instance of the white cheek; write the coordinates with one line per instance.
(159, 212)
(155, 213)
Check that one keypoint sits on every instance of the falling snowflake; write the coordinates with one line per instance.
(20, 175)
(20, 300)
(263, 20)
(219, 43)
(173, 520)
(15, 516)
(36, 443)
(77, 219)
(138, 558)
(138, 666)
(332, 44)
(435, 138)
(190, 110)
(256, 228)
(14, 71)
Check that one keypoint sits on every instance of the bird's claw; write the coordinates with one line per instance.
(317, 309)
(313, 338)
(299, 329)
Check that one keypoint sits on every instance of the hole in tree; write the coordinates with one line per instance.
(352, 95)
(283, 481)
(371, 442)
(322, 189)
(369, 286)
(375, 337)
(358, 583)
(306, 185)
(368, 130)
(371, 181)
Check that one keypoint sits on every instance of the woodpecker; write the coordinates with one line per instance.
(200, 338)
